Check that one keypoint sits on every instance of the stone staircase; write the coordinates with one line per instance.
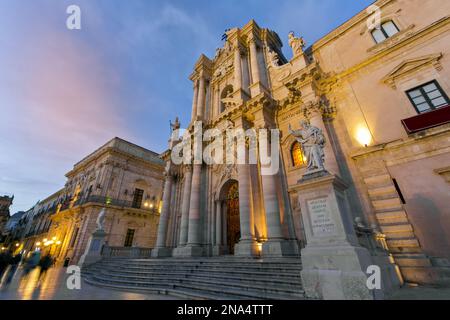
(414, 265)
(202, 278)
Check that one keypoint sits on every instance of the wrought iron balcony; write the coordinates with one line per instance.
(427, 120)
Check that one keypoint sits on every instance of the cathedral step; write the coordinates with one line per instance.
(378, 181)
(212, 289)
(385, 192)
(412, 260)
(203, 278)
(397, 216)
(292, 287)
(387, 204)
(254, 276)
(396, 228)
(404, 243)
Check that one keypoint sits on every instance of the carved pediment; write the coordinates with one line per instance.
(410, 66)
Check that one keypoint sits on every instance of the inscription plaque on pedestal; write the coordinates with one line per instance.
(322, 224)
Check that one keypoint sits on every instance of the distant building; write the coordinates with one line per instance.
(5, 203)
(120, 176)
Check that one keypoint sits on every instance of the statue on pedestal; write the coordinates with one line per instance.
(101, 219)
(296, 44)
(312, 141)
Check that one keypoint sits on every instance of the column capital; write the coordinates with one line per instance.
(187, 169)
(320, 106)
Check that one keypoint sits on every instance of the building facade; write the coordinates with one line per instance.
(5, 202)
(121, 177)
(380, 96)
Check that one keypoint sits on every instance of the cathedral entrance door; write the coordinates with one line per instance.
(233, 223)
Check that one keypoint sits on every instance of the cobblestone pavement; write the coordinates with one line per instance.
(53, 286)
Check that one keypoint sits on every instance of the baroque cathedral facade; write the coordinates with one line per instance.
(378, 94)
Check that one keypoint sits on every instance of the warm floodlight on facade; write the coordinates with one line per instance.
(363, 136)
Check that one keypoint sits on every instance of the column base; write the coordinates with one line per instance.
(219, 250)
(188, 251)
(162, 252)
(280, 248)
(247, 248)
(256, 89)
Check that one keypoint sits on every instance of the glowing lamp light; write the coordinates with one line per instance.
(58, 242)
(259, 247)
(38, 244)
(54, 238)
(146, 204)
(151, 205)
(45, 240)
(17, 244)
(363, 136)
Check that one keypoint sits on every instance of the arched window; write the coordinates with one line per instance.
(386, 30)
(298, 158)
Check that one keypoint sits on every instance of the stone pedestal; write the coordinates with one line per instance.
(280, 248)
(334, 264)
(247, 248)
(94, 247)
(162, 252)
(188, 251)
(219, 250)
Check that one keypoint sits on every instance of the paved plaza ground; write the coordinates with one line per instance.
(53, 286)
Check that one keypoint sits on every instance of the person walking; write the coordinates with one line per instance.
(31, 263)
(45, 263)
(15, 261)
(5, 260)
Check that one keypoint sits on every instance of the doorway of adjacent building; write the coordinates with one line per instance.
(233, 222)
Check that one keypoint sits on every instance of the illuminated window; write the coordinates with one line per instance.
(298, 159)
(137, 198)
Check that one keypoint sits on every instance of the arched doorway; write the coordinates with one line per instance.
(232, 214)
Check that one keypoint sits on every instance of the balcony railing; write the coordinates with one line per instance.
(106, 201)
(427, 120)
(126, 252)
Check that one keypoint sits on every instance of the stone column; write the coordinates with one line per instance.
(218, 222)
(201, 97)
(161, 250)
(193, 245)
(276, 244)
(185, 206)
(254, 62)
(219, 248)
(247, 245)
(256, 87)
(218, 111)
(224, 225)
(237, 69)
(194, 102)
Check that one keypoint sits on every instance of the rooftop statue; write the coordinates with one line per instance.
(297, 44)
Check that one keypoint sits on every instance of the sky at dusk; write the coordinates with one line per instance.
(64, 93)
